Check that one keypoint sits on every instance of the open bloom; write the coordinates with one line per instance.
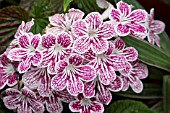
(127, 20)
(61, 22)
(86, 105)
(92, 33)
(155, 27)
(27, 52)
(24, 28)
(103, 93)
(55, 48)
(38, 78)
(106, 64)
(24, 100)
(70, 73)
(138, 71)
(7, 71)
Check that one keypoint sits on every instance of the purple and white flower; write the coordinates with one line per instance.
(93, 33)
(86, 105)
(70, 73)
(155, 27)
(126, 20)
(27, 52)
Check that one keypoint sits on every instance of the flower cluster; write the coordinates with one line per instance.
(79, 60)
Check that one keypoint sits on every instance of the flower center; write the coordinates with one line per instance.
(31, 50)
(92, 33)
(70, 68)
(58, 48)
(85, 102)
(100, 58)
(68, 25)
(9, 69)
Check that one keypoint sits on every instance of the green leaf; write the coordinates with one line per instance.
(135, 3)
(149, 54)
(10, 18)
(150, 91)
(164, 43)
(26, 4)
(158, 107)
(128, 106)
(166, 93)
(66, 3)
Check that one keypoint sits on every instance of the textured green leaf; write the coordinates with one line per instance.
(128, 106)
(158, 107)
(165, 42)
(149, 54)
(66, 4)
(10, 19)
(150, 91)
(166, 93)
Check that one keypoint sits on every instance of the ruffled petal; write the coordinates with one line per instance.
(137, 86)
(94, 20)
(24, 41)
(138, 15)
(48, 40)
(64, 40)
(20, 29)
(82, 45)
(138, 35)
(10, 92)
(58, 20)
(106, 31)
(74, 14)
(86, 73)
(157, 26)
(153, 38)
(36, 40)
(130, 53)
(122, 30)
(11, 102)
(124, 8)
(140, 70)
(37, 58)
(119, 44)
(36, 106)
(17, 54)
(24, 65)
(104, 95)
(79, 29)
(116, 85)
(75, 106)
(28, 25)
(114, 15)
(59, 82)
(89, 89)
(99, 45)
(138, 28)
(75, 59)
(97, 107)
(75, 86)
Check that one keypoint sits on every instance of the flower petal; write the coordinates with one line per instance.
(37, 58)
(24, 41)
(97, 107)
(75, 106)
(24, 108)
(24, 65)
(17, 54)
(64, 39)
(110, 49)
(94, 20)
(99, 45)
(82, 45)
(58, 20)
(153, 38)
(138, 15)
(125, 83)
(11, 102)
(114, 15)
(63, 95)
(138, 28)
(89, 55)
(28, 25)
(137, 86)
(3, 83)
(106, 31)
(36, 106)
(12, 79)
(157, 26)
(79, 29)
(4, 60)
(48, 40)
(140, 70)
(127, 69)
(118, 62)
(130, 53)
(75, 59)
(58, 82)
(89, 89)
(75, 86)
(53, 30)
(36, 40)
(122, 30)
(124, 8)
(74, 14)
(103, 94)
(28, 93)
(138, 35)
(116, 85)
(86, 72)
(119, 44)
(51, 67)
(10, 92)
(20, 30)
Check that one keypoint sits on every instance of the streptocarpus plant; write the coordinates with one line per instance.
(79, 60)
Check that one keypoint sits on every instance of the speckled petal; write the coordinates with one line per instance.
(64, 40)
(124, 8)
(89, 89)
(17, 54)
(58, 20)
(37, 58)
(24, 41)
(140, 70)
(48, 40)
(137, 86)
(116, 85)
(122, 30)
(36, 40)
(138, 15)
(114, 15)
(76, 59)
(130, 53)
(24, 65)
(75, 106)
(119, 44)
